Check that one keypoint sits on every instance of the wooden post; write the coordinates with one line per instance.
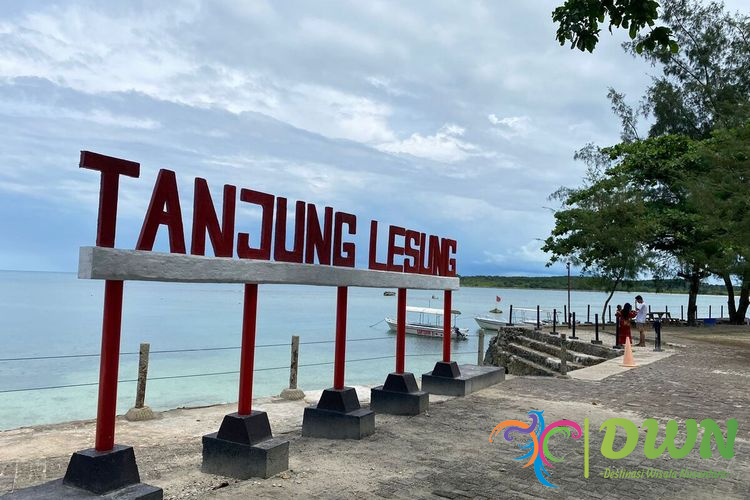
(294, 362)
(140, 411)
(596, 330)
(538, 318)
(510, 316)
(292, 392)
(554, 322)
(480, 348)
(140, 395)
(563, 357)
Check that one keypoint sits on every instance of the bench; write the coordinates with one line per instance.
(663, 316)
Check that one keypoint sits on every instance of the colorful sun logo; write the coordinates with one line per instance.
(536, 448)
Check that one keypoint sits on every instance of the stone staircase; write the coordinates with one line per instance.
(524, 351)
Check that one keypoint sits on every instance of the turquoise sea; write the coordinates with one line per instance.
(56, 314)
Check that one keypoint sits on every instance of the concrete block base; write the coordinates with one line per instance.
(447, 369)
(96, 474)
(103, 472)
(245, 429)
(338, 416)
(243, 461)
(471, 379)
(55, 490)
(244, 447)
(399, 396)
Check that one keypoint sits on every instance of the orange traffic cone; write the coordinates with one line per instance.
(628, 360)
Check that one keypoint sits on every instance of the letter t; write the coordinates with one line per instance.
(111, 169)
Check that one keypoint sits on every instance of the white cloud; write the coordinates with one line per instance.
(531, 253)
(387, 85)
(446, 145)
(116, 56)
(511, 126)
(375, 107)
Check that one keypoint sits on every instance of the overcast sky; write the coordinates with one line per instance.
(454, 118)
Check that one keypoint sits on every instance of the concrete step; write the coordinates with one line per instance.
(573, 345)
(540, 358)
(555, 351)
(521, 366)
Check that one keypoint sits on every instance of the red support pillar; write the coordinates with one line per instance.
(108, 366)
(447, 295)
(401, 330)
(247, 354)
(339, 361)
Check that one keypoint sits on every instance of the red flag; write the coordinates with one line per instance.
(498, 298)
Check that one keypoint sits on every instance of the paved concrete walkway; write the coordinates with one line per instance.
(446, 453)
(643, 356)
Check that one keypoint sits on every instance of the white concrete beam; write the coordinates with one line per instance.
(136, 265)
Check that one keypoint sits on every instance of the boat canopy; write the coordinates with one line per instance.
(429, 310)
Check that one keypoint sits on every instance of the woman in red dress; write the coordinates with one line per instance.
(624, 317)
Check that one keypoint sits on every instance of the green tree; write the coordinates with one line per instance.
(600, 226)
(690, 173)
(579, 23)
(706, 84)
(722, 194)
(661, 169)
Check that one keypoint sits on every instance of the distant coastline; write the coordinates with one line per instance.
(586, 283)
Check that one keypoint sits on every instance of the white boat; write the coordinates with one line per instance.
(487, 323)
(521, 316)
(428, 322)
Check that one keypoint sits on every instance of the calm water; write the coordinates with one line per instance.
(52, 314)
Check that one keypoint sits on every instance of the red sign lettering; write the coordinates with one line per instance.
(312, 241)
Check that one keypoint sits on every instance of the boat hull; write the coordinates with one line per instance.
(427, 330)
(490, 323)
(498, 324)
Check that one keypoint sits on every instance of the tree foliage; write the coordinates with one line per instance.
(669, 204)
(691, 174)
(599, 226)
(579, 23)
(590, 283)
(722, 196)
(706, 85)
(661, 169)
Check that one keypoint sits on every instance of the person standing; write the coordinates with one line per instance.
(619, 342)
(625, 315)
(641, 310)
